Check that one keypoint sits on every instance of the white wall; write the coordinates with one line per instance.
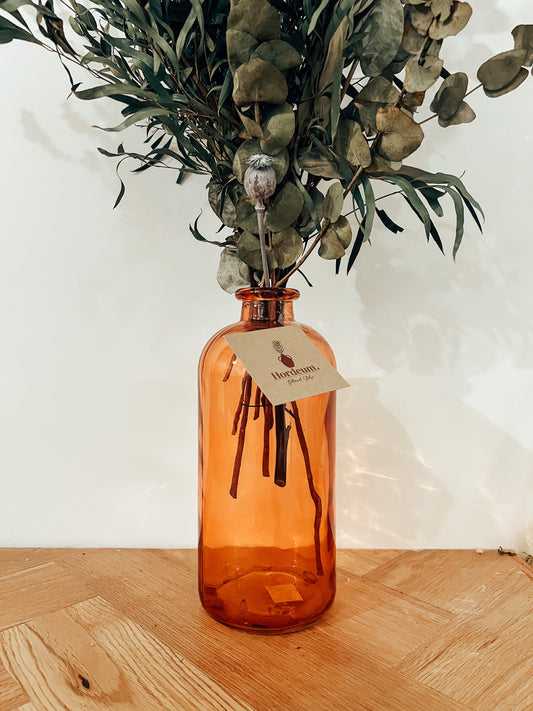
(103, 314)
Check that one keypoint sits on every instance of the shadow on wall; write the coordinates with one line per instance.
(410, 437)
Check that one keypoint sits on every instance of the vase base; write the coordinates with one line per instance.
(268, 601)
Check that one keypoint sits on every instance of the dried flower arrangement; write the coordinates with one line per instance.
(329, 91)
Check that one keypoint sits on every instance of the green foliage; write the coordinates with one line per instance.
(329, 89)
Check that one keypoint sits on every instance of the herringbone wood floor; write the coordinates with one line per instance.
(84, 630)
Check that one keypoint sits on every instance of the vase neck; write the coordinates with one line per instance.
(267, 305)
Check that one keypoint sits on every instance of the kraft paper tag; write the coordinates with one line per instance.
(285, 363)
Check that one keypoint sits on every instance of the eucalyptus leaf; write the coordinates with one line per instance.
(9, 31)
(232, 272)
(246, 215)
(499, 71)
(330, 245)
(412, 40)
(285, 208)
(249, 251)
(278, 129)
(380, 36)
(421, 74)
(464, 114)
(450, 96)
(352, 144)
(442, 9)
(258, 81)
(452, 25)
(286, 247)
(523, 39)
(240, 46)
(253, 129)
(401, 136)
(333, 202)
(377, 93)
(421, 18)
(279, 53)
(257, 17)
(343, 230)
(519, 78)
(317, 164)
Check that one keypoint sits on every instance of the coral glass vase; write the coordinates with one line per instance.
(266, 486)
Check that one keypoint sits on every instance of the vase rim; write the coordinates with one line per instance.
(258, 293)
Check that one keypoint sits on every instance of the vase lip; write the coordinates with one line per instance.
(272, 293)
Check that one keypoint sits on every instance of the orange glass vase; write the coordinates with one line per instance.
(266, 486)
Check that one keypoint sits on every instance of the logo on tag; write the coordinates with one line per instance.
(285, 364)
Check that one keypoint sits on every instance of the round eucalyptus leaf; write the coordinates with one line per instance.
(421, 19)
(249, 148)
(232, 272)
(257, 17)
(317, 164)
(279, 53)
(249, 251)
(442, 9)
(351, 143)
(343, 230)
(258, 81)
(499, 71)
(421, 76)
(225, 210)
(253, 129)
(333, 202)
(380, 36)
(401, 135)
(286, 246)
(450, 95)
(519, 78)
(378, 92)
(246, 215)
(330, 246)
(457, 21)
(523, 39)
(412, 100)
(278, 129)
(464, 114)
(307, 223)
(285, 209)
(412, 41)
(239, 46)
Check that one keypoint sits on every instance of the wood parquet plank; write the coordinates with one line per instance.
(31, 592)
(13, 560)
(459, 581)
(88, 657)
(304, 670)
(372, 618)
(11, 694)
(484, 659)
(363, 561)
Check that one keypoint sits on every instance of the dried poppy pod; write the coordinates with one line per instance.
(260, 183)
(260, 177)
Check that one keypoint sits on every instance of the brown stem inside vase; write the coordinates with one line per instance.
(314, 493)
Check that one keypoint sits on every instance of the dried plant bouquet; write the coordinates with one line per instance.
(329, 91)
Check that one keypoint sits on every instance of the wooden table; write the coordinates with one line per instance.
(84, 630)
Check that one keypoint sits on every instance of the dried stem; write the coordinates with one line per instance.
(244, 407)
(257, 403)
(282, 441)
(314, 493)
(269, 423)
(260, 210)
(229, 368)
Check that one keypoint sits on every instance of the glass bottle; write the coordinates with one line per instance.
(266, 486)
